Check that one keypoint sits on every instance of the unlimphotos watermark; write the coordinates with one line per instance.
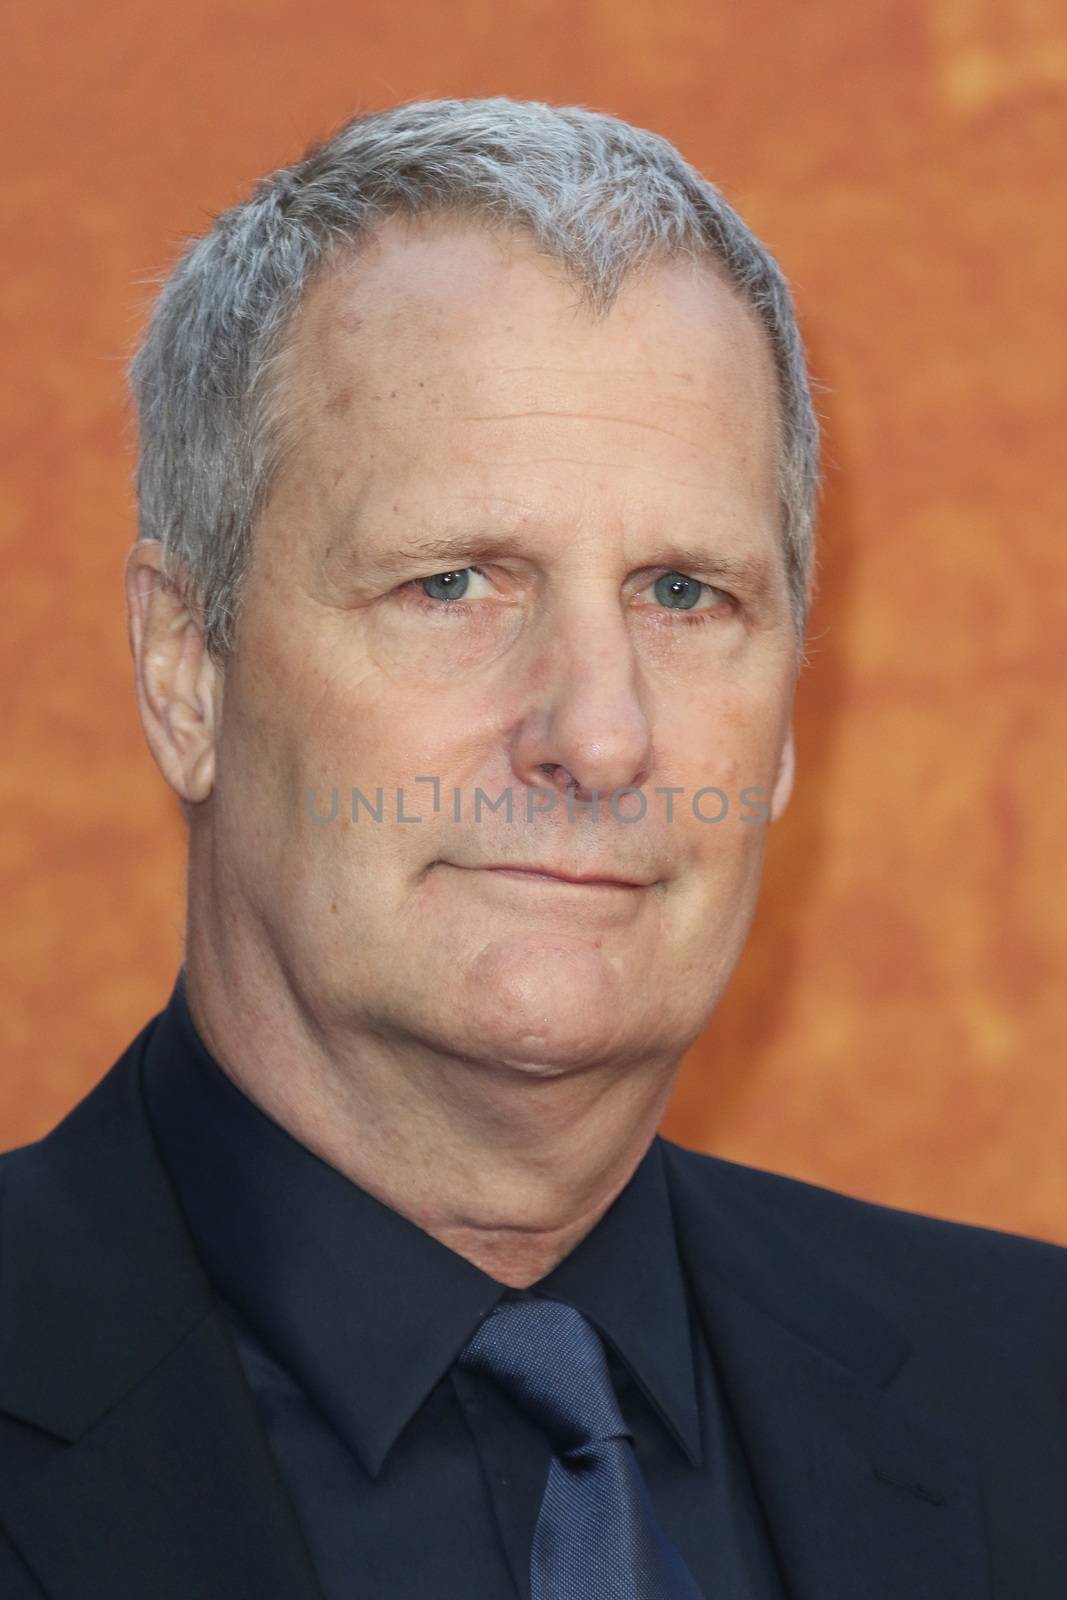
(710, 804)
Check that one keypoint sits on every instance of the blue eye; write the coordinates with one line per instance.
(678, 592)
(447, 585)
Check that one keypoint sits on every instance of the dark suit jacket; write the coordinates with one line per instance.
(900, 1385)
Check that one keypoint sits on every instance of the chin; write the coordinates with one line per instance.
(547, 1045)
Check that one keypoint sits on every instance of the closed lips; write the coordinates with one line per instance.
(588, 879)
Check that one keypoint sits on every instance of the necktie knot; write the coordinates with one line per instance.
(551, 1361)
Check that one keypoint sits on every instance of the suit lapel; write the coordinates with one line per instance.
(111, 1341)
(865, 1494)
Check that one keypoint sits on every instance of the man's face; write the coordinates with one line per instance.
(455, 413)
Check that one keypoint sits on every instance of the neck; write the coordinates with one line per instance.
(509, 1168)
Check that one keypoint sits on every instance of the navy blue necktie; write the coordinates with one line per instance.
(597, 1535)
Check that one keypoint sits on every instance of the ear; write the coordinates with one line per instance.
(783, 783)
(179, 686)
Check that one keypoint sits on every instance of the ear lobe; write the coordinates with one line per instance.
(177, 683)
(783, 783)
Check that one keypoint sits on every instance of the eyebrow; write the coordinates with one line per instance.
(752, 573)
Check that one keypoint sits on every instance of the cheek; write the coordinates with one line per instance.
(373, 729)
(277, 752)
(721, 750)
(727, 736)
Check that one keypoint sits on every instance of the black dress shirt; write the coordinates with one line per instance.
(413, 1480)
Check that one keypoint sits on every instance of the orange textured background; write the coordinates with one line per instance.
(896, 1026)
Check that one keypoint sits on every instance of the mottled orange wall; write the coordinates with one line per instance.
(895, 1028)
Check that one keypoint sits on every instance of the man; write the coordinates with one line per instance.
(476, 490)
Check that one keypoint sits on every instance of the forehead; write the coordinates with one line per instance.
(441, 350)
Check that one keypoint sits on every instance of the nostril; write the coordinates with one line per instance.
(560, 776)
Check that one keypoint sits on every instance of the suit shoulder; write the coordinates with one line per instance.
(17, 1156)
(877, 1243)
(81, 1124)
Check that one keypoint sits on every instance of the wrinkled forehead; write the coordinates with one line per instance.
(429, 317)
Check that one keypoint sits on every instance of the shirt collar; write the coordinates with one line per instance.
(362, 1307)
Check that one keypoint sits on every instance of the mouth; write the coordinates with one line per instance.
(552, 875)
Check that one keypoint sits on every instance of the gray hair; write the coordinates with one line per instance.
(599, 195)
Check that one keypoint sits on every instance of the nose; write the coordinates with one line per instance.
(583, 724)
